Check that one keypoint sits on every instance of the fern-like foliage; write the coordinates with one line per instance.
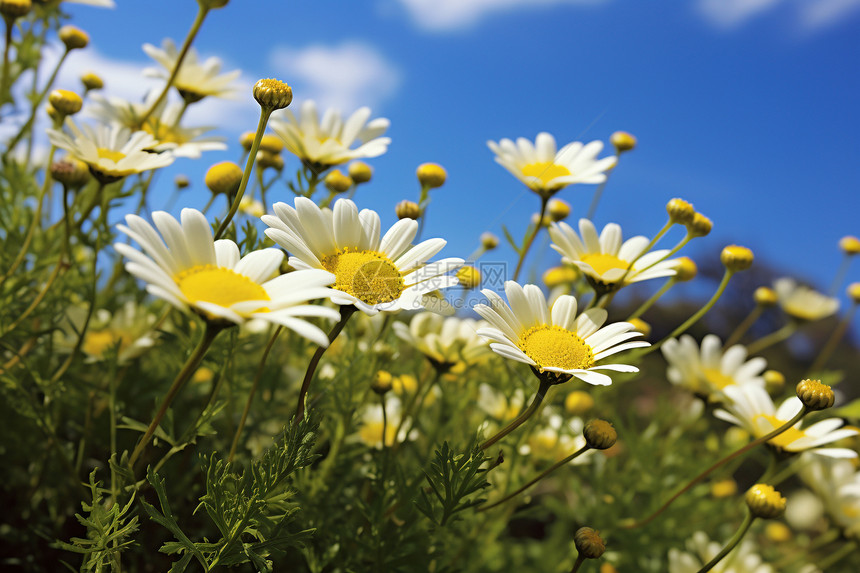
(452, 479)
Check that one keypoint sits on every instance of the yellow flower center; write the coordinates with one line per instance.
(219, 285)
(717, 379)
(114, 156)
(556, 347)
(96, 343)
(163, 132)
(369, 276)
(371, 433)
(546, 171)
(783, 440)
(601, 263)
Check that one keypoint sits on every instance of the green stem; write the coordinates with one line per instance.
(654, 298)
(725, 460)
(257, 376)
(519, 420)
(744, 326)
(246, 175)
(36, 103)
(537, 478)
(192, 33)
(772, 338)
(835, 557)
(188, 369)
(580, 559)
(4, 79)
(527, 245)
(839, 278)
(833, 341)
(592, 209)
(736, 538)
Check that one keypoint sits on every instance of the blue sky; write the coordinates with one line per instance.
(746, 108)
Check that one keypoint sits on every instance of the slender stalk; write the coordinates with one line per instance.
(833, 341)
(527, 245)
(192, 33)
(592, 209)
(580, 559)
(519, 420)
(188, 369)
(720, 463)
(346, 311)
(839, 278)
(246, 175)
(736, 538)
(772, 338)
(654, 298)
(4, 79)
(257, 376)
(58, 269)
(744, 326)
(537, 478)
(36, 103)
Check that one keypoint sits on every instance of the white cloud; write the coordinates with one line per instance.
(815, 14)
(345, 77)
(732, 13)
(811, 15)
(453, 14)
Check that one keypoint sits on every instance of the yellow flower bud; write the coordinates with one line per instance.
(431, 175)
(699, 226)
(224, 177)
(382, 382)
(607, 568)
(269, 142)
(14, 9)
(212, 4)
(853, 291)
(267, 159)
(405, 384)
(272, 94)
(202, 375)
(469, 277)
(578, 403)
(777, 531)
(589, 543)
(360, 172)
(686, 269)
(724, 488)
(641, 326)
(736, 258)
(558, 276)
(182, 182)
(850, 245)
(622, 141)
(764, 501)
(337, 182)
(407, 210)
(247, 140)
(774, 381)
(815, 395)
(599, 434)
(765, 296)
(680, 212)
(65, 102)
(73, 37)
(557, 209)
(489, 241)
(70, 172)
(55, 115)
(92, 81)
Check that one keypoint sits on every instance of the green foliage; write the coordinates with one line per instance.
(453, 479)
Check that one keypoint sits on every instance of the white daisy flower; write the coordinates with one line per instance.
(373, 274)
(555, 340)
(502, 408)
(330, 141)
(605, 259)
(444, 341)
(752, 409)
(544, 169)
(187, 268)
(708, 370)
(195, 79)
(700, 551)
(802, 302)
(129, 330)
(96, 3)
(837, 484)
(111, 152)
(163, 124)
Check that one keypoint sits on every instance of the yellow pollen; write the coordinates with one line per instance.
(96, 343)
(553, 346)
(602, 263)
(786, 438)
(219, 285)
(717, 379)
(546, 171)
(114, 156)
(369, 276)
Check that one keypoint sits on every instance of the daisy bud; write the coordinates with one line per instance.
(224, 177)
(469, 277)
(578, 403)
(588, 543)
(251, 207)
(765, 296)
(850, 245)
(66, 102)
(562, 275)
(815, 395)
(247, 140)
(558, 210)
(699, 226)
(272, 94)
(70, 172)
(181, 182)
(680, 211)
(73, 37)
(431, 175)
(92, 81)
(337, 182)
(14, 9)
(607, 568)
(641, 327)
(407, 210)
(382, 382)
(622, 141)
(269, 142)
(736, 258)
(489, 241)
(405, 384)
(774, 381)
(204, 374)
(599, 434)
(267, 159)
(724, 488)
(777, 532)
(212, 4)
(546, 222)
(686, 269)
(853, 291)
(764, 501)
(55, 115)
(360, 172)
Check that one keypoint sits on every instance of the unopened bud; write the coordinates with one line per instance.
(622, 141)
(489, 241)
(764, 501)
(736, 258)
(182, 182)
(686, 269)
(212, 4)
(724, 488)
(469, 277)
(272, 94)
(73, 37)
(641, 327)
(266, 160)
(699, 226)
(578, 403)
(407, 210)
(558, 276)
(815, 395)
(360, 172)
(765, 296)
(65, 101)
(680, 212)
(247, 140)
(70, 172)
(589, 543)
(599, 434)
(431, 175)
(774, 381)
(337, 182)
(557, 210)
(224, 177)
(853, 291)
(850, 245)
(92, 81)
(269, 142)
(14, 9)
(383, 381)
